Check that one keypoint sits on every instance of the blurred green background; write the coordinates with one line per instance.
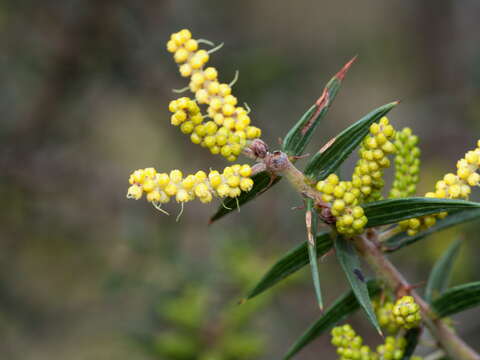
(87, 274)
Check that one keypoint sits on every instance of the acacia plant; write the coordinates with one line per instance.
(350, 217)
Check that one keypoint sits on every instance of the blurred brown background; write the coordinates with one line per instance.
(83, 98)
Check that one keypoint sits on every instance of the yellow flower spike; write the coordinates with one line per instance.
(208, 90)
(453, 186)
(134, 192)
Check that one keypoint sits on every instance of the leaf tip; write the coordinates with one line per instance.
(343, 71)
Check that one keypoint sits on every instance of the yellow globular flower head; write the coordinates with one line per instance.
(229, 129)
(393, 348)
(161, 187)
(349, 345)
(407, 312)
(407, 164)
(452, 186)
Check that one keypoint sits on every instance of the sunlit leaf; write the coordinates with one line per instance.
(440, 274)
(348, 259)
(301, 133)
(341, 309)
(326, 161)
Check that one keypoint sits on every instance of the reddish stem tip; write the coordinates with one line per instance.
(341, 74)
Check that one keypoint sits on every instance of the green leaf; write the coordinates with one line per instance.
(440, 275)
(394, 210)
(401, 240)
(311, 222)
(301, 133)
(341, 309)
(412, 337)
(327, 161)
(291, 262)
(261, 183)
(348, 259)
(457, 299)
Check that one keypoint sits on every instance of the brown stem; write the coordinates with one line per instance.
(455, 347)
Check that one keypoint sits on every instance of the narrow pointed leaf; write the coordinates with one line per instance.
(261, 183)
(301, 133)
(401, 240)
(457, 299)
(440, 275)
(348, 259)
(394, 210)
(311, 222)
(326, 161)
(412, 337)
(291, 262)
(341, 309)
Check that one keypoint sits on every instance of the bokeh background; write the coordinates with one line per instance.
(87, 274)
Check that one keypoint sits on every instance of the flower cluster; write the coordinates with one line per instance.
(368, 173)
(385, 316)
(349, 344)
(407, 164)
(393, 348)
(407, 312)
(366, 183)
(160, 187)
(344, 198)
(452, 186)
(229, 129)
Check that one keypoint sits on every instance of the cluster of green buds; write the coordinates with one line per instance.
(452, 186)
(368, 173)
(385, 316)
(349, 345)
(160, 187)
(393, 348)
(407, 312)
(407, 164)
(229, 129)
(366, 183)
